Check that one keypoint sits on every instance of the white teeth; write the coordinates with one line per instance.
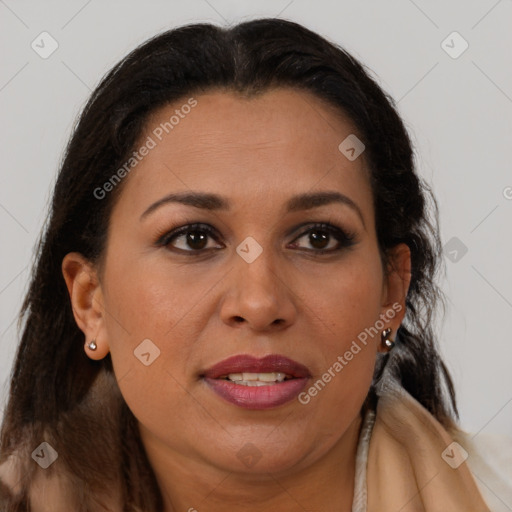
(257, 379)
(269, 377)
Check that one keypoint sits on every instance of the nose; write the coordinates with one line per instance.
(259, 296)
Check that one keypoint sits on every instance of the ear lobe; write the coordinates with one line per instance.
(84, 289)
(394, 291)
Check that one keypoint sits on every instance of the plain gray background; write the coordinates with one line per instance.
(457, 108)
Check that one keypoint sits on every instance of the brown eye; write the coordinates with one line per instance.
(195, 239)
(193, 236)
(320, 236)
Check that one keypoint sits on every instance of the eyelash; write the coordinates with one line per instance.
(345, 239)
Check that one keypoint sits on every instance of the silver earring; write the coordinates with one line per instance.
(386, 342)
(92, 345)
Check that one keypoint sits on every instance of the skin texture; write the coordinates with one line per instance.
(199, 310)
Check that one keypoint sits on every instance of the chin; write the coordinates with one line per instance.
(253, 454)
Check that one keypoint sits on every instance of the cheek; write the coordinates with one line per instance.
(348, 301)
(148, 299)
(348, 351)
(147, 322)
(145, 298)
(348, 309)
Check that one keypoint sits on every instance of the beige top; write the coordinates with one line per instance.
(406, 461)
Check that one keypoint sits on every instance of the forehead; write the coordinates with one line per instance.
(271, 146)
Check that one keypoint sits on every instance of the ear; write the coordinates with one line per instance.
(396, 285)
(87, 302)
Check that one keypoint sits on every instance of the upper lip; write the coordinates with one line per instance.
(249, 364)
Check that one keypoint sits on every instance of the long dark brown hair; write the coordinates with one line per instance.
(58, 394)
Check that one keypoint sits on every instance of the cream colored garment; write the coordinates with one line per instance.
(406, 462)
(490, 461)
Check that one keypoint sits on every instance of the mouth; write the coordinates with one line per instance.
(254, 383)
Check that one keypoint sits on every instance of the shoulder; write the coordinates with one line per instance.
(489, 458)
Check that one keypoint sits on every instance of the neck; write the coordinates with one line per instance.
(189, 485)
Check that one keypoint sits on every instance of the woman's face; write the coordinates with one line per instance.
(173, 307)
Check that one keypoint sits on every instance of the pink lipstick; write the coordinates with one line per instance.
(254, 383)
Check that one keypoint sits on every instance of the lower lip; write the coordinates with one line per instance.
(257, 397)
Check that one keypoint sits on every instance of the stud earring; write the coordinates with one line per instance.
(386, 342)
(92, 345)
